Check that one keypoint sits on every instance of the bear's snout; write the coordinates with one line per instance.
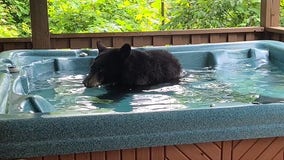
(91, 81)
(86, 82)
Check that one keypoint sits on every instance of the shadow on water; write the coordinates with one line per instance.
(120, 98)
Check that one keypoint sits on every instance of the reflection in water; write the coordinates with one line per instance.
(154, 102)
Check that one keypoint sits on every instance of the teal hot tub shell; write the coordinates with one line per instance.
(31, 127)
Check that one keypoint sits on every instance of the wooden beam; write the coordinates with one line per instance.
(39, 24)
(270, 13)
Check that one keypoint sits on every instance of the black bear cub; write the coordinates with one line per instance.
(131, 67)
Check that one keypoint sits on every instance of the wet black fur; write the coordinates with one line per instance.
(129, 67)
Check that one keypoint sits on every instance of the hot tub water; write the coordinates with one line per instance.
(240, 82)
(219, 77)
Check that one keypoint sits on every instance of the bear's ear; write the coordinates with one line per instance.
(100, 46)
(125, 50)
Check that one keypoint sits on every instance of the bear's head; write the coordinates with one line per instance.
(107, 66)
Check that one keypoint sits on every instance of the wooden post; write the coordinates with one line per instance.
(275, 13)
(270, 13)
(39, 24)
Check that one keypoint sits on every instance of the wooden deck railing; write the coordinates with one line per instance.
(88, 40)
(275, 33)
(157, 38)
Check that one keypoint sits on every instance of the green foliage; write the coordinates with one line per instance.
(15, 19)
(74, 16)
(6, 30)
(185, 14)
(281, 12)
(67, 16)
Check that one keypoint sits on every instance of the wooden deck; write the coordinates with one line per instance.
(253, 149)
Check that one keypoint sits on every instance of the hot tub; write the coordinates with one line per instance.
(227, 105)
